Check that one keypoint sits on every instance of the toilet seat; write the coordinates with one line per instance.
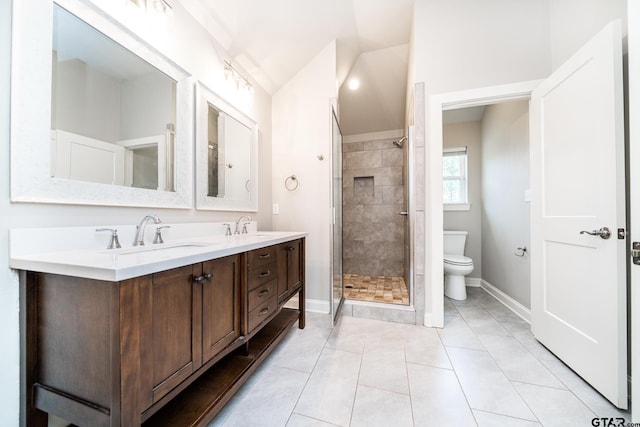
(461, 260)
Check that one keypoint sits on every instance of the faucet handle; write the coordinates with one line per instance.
(113, 242)
(158, 237)
(244, 228)
(228, 230)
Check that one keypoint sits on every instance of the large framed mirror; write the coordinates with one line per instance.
(99, 117)
(226, 155)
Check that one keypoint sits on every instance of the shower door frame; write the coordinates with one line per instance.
(336, 218)
(409, 200)
(411, 213)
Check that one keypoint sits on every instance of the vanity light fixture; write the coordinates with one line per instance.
(354, 84)
(231, 74)
(241, 83)
(161, 7)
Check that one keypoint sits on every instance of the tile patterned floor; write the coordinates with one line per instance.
(391, 290)
(483, 369)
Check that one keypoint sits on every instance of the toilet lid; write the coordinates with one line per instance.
(454, 259)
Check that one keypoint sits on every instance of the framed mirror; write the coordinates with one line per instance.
(99, 117)
(226, 155)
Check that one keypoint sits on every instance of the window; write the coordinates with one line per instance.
(454, 175)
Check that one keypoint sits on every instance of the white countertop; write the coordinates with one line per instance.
(129, 262)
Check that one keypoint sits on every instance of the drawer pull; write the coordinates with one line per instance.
(200, 279)
(264, 311)
(263, 292)
(264, 274)
(265, 256)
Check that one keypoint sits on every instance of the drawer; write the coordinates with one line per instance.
(262, 275)
(262, 293)
(262, 256)
(263, 312)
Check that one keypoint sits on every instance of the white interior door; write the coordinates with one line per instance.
(633, 25)
(81, 158)
(578, 281)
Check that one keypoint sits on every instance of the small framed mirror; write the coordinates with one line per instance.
(226, 155)
(99, 117)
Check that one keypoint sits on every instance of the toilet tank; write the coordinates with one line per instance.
(454, 242)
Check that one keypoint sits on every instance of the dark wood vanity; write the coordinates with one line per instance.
(163, 349)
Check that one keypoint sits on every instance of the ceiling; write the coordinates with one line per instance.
(461, 115)
(272, 40)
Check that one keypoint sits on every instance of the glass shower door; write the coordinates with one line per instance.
(337, 291)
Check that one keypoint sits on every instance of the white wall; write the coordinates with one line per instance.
(465, 44)
(505, 214)
(574, 22)
(301, 132)
(468, 134)
(77, 85)
(146, 108)
(185, 42)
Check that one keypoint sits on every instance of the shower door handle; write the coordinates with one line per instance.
(405, 213)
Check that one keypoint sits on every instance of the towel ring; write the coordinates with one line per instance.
(291, 183)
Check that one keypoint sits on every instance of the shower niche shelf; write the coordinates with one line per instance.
(363, 186)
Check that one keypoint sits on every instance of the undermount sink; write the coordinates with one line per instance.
(155, 248)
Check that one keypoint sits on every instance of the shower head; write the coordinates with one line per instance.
(399, 143)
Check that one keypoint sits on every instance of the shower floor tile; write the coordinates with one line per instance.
(387, 289)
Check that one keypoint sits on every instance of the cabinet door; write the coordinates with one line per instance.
(169, 323)
(289, 271)
(293, 264)
(220, 305)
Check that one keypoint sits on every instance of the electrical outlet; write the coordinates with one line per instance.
(276, 209)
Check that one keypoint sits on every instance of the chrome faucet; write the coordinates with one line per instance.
(114, 243)
(139, 239)
(244, 229)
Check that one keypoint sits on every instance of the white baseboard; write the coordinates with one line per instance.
(428, 322)
(313, 305)
(513, 305)
(473, 282)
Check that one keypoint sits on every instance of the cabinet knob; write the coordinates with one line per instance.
(208, 276)
(291, 248)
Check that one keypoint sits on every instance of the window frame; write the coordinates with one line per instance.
(463, 203)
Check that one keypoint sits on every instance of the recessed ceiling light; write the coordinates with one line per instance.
(354, 84)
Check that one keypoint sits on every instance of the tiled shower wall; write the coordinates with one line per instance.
(373, 197)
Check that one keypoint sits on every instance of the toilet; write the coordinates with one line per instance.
(456, 265)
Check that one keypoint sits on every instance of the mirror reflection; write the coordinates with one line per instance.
(112, 113)
(229, 156)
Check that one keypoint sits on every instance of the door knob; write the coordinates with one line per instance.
(604, 233)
